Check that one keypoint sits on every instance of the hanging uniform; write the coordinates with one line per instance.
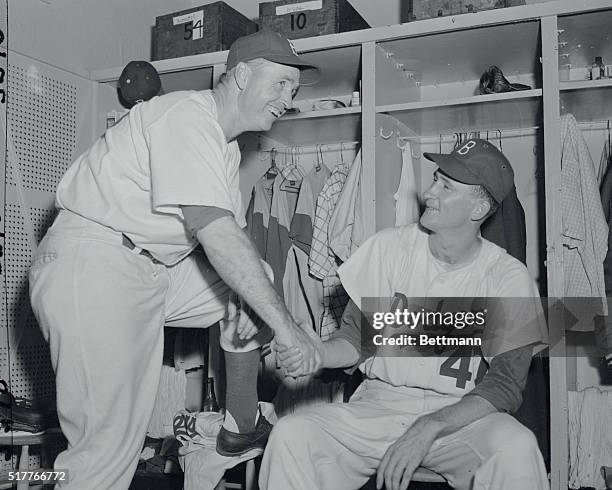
(303, 293)
(347, 226)
(258, 213)
(406, 196)
(585, 231)
(322, 261)
(278, 242)
(506, 227)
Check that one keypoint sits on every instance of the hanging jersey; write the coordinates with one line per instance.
(406, 197)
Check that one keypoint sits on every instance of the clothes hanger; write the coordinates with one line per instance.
(272, 172)
(292, 175)
(457, 141)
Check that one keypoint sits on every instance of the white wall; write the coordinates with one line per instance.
(85, 35)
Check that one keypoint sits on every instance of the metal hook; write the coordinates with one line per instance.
(385, 136)
(440, 144)
(398, 142)
(319, 158)
(499, 135)
(342, 153)
(457, 140)
(273, 170)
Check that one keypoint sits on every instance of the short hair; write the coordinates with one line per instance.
(481, 193)
(254, 65)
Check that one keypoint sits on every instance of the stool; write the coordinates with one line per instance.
(250, 479)
(25, 440)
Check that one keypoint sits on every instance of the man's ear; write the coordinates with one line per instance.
(481, 209)
(242, 74)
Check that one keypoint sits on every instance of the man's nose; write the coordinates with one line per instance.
(287, 100)
(430, 193)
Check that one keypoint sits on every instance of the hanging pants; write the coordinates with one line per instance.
(339, 446)
(102, 308)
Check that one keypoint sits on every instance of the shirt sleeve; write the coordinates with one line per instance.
(350, 330)
(199, 217)
(515, 316)
(504, 382)
(189, 161)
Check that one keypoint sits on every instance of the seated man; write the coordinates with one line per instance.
(414, 410)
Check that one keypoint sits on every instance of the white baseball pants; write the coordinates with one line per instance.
(102, 309)
(339, 446)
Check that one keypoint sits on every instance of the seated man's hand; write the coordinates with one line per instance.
(301, 357)
(249, 322)
(245, 321)
(404, 456)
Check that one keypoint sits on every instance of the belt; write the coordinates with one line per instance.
(137, 250)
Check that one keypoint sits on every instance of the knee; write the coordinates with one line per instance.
(512, 437)
(504, 434)
(291, 433)
(521, 443)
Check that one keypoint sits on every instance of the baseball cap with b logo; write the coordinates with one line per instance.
(478, 162)
(271, 46)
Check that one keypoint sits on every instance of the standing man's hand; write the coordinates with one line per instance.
(405, 455)
(299, 351)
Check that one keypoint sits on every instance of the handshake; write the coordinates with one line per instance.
(299, 351)
(298, 348)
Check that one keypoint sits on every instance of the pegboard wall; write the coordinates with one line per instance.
(42, 117)
(50, 122)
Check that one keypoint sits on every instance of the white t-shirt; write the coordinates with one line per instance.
(398, 260)
(167, 152)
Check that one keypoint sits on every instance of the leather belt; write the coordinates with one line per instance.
(137, 250)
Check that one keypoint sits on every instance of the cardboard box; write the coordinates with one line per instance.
(298, 18)
(426, 9)
(209, 28)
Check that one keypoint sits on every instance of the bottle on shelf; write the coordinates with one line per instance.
(210, 401)
(598, 69)
(355, 100)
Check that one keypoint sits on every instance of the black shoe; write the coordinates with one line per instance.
(236, 444)
(23, 414)
(493, 81)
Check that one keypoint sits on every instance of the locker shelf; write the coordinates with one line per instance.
(585, 84)
(493, 111)
(588, 100)
(452, 63)
(317, 127)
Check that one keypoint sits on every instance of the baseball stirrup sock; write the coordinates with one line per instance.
(241, 394)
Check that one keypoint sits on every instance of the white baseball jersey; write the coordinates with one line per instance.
(167, 152)
(397, 262)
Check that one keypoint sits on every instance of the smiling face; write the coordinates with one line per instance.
(451, 204)
(267, 92)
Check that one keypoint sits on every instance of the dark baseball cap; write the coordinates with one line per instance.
(271, 46)
(478, 162)
(139, 81)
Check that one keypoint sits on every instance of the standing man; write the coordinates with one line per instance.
(119, 262)
(416, 408)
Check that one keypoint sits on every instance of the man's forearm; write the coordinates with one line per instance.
(231, 253)
(453, 417)
(339, 353)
